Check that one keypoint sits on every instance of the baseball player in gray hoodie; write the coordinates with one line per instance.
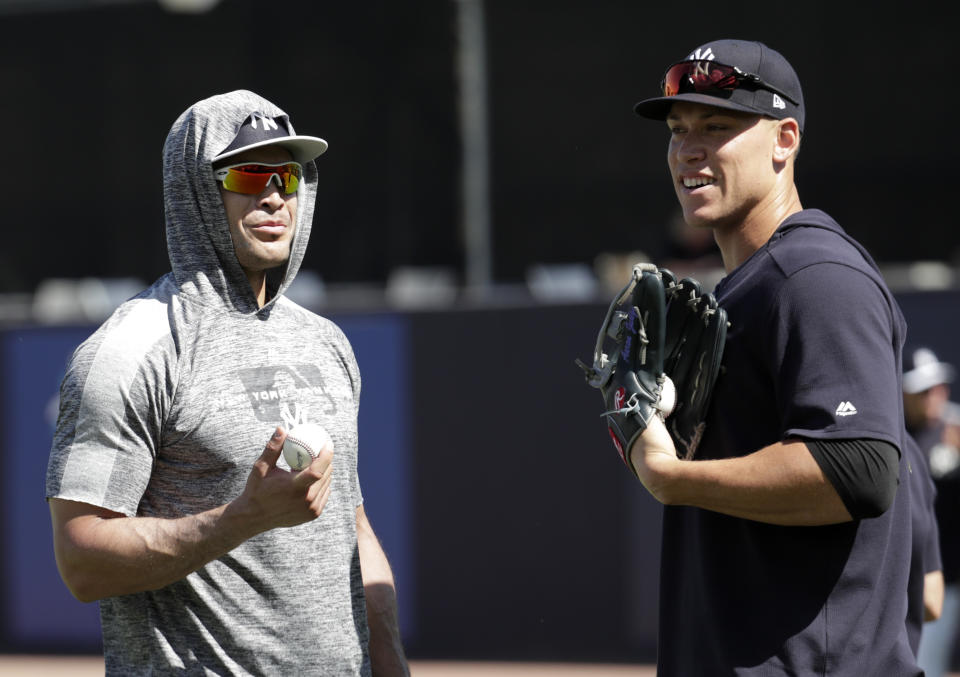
(170, 501)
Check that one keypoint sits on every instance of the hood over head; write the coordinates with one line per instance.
(198, 235)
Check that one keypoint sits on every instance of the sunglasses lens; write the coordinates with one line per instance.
(252, 179)
(291, 178)
(239, 181)
(698, 76)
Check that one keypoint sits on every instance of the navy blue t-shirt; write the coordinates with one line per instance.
(926, 539)
(813, 351)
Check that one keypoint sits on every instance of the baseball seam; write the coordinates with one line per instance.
(303, 443)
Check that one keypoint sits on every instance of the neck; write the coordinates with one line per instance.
(739, 240)
(258, 282)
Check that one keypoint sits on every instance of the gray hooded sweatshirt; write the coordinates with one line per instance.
(163, 411)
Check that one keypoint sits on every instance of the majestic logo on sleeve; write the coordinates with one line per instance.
(846, 409)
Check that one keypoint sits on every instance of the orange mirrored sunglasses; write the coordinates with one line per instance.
(251, 178)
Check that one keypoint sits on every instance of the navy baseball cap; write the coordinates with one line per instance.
(922, 370)
(734, 74)
(259, 130)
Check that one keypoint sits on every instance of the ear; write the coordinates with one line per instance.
(787, 140)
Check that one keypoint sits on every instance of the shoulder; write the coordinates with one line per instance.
(138, 337)
(320, 335)
(322, 327)
(818, 260)
(134, 327)
(810, 238)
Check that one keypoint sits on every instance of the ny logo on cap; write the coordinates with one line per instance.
(701, 70)
(268, 122)
(705, 55)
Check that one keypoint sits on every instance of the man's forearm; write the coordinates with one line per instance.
(387, 657)
(780, 484)
(933, 593)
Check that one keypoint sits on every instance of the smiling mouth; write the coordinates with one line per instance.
(697, 181)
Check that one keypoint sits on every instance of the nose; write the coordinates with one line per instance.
(272, 195)
(689, 149)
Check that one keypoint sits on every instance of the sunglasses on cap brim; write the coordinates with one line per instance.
(706, 77)
(251, 178)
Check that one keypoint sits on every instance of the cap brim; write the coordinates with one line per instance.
(659, 107)
(302, 148)
(926, 376)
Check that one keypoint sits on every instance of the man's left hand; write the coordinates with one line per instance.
(652, 455)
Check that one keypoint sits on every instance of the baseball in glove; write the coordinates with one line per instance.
(696, 330)
(628, 359)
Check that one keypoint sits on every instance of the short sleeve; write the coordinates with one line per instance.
(112, 403)
(833, 335)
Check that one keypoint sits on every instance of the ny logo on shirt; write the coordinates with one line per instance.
(293, 394)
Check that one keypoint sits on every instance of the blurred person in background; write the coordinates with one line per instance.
(170, 501)
(925, 584)
(933, 421)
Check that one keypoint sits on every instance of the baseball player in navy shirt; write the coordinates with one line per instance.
(787, 539)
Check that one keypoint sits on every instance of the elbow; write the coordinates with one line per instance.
(863, 472)
(87, 557)
(869, 507)
(871, 499)
(877, 501)
(81, 587)
(78, 579)
(82, 573)
(876, 497)
(85, 595)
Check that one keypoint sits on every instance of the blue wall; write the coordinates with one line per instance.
(513, 529)
(37, 608)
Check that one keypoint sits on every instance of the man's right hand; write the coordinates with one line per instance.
(274, 497)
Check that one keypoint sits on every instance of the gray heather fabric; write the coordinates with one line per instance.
(163, 411)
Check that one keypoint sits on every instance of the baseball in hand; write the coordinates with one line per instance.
(668, 396)
(303, 444)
